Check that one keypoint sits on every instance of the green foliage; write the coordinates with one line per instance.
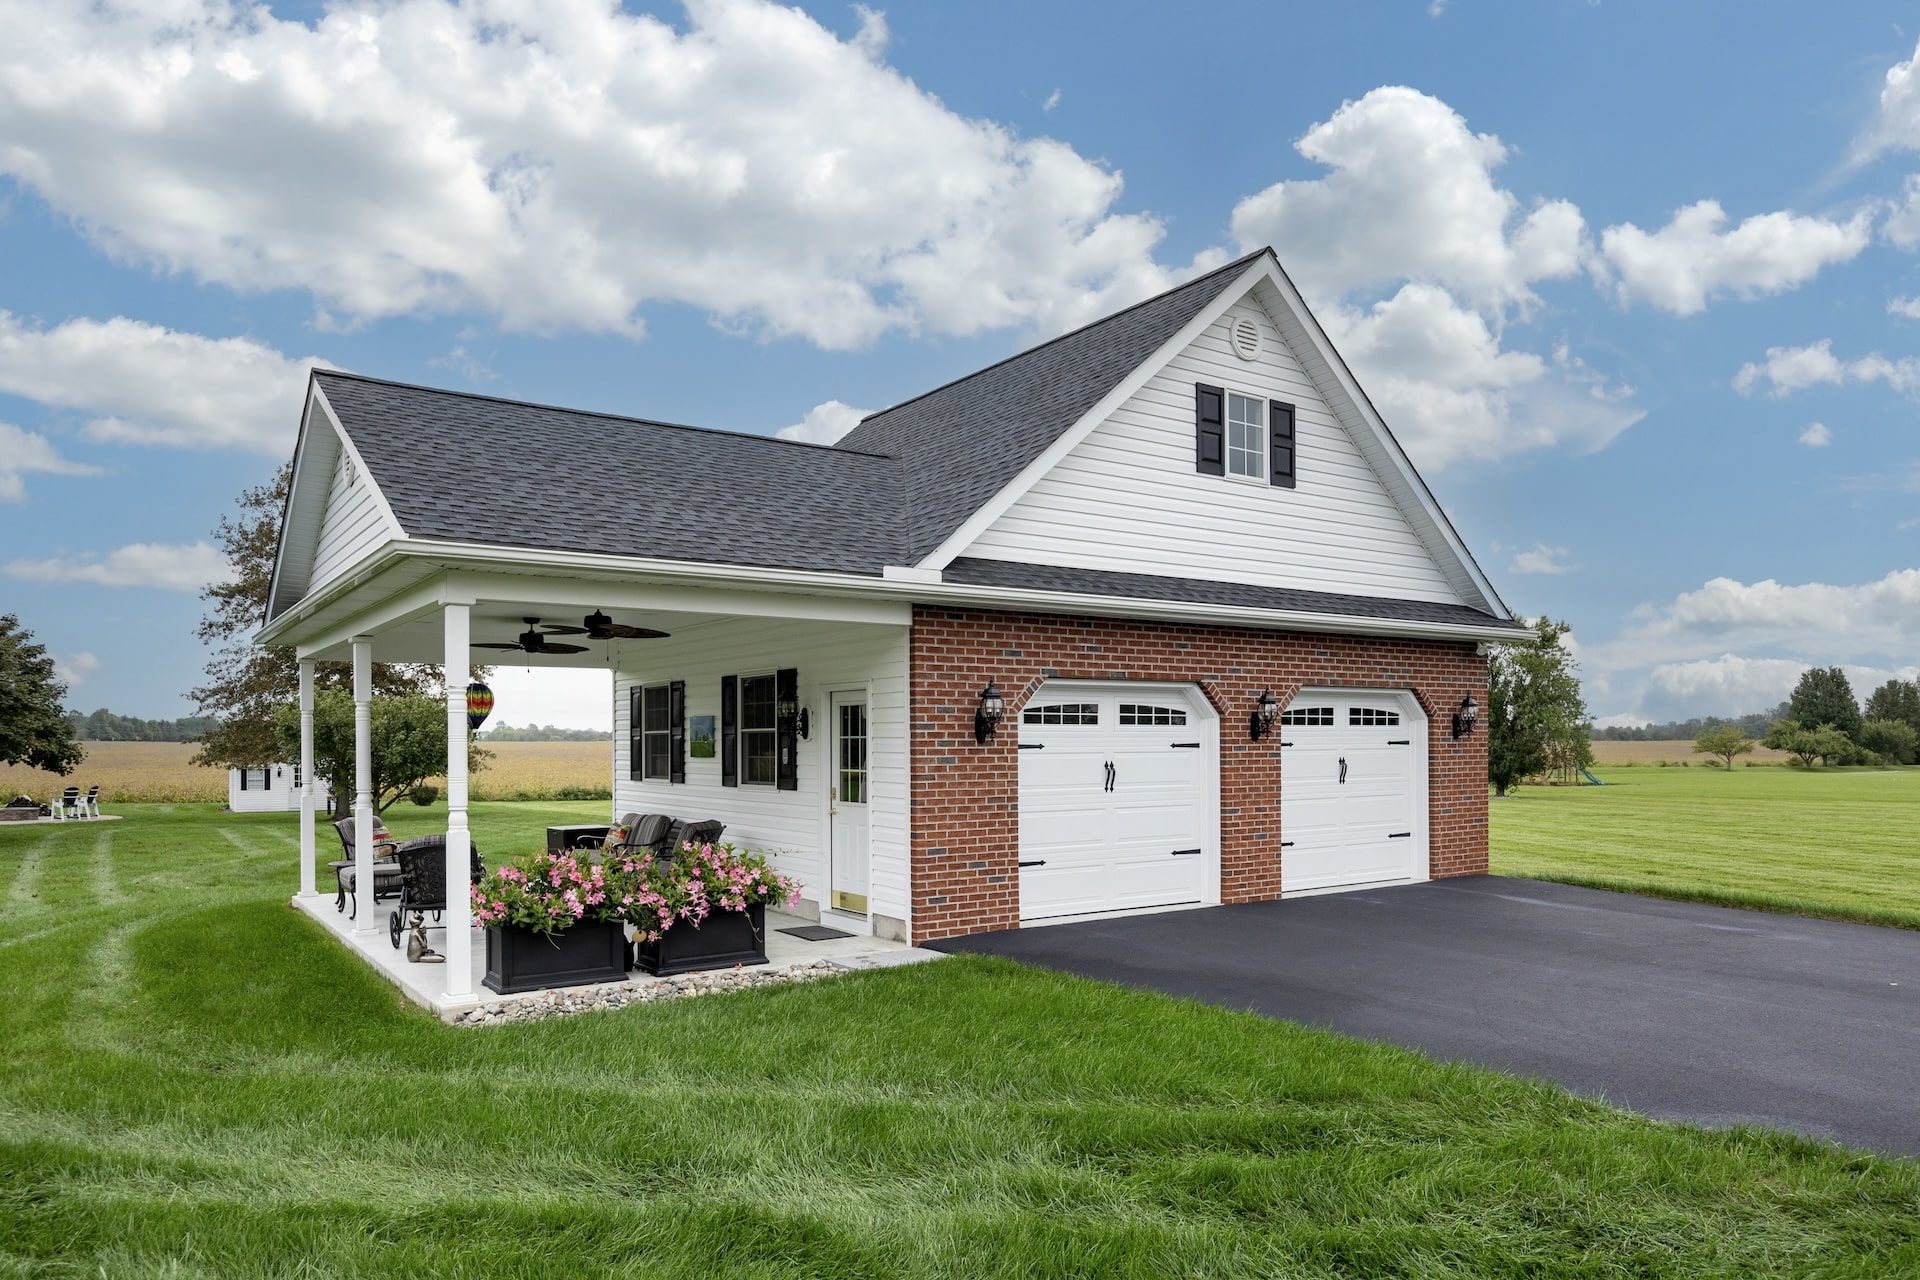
(409, 742)
(1824, 696)
(545, 733)
(197, 1082)
(1536, 719)
(248, 684)
(424, 795)
(1823, 742)
(104, 726)
(33, 729)
(1896, 700)
(1893, 741)
(1725, 742)
(1753, 726)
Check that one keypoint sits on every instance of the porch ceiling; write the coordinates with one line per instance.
(422, 639)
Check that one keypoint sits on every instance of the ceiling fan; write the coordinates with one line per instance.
(534, 640)
(600, 627)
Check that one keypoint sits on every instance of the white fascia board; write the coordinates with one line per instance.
(394, 527)
(297, 499)
(1349, 389)
(1015, 489)
(486, 572)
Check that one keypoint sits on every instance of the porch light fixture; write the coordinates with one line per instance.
(805, 726)
(987, 717)
(1466, 717)
(1266, 709)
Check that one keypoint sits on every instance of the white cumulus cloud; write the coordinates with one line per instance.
(1896, 125)
(170, 567)
(1542, 559)
(824, 423)
(146, 384)
(558, 166)
(1908, 307)
(22, 452)
(74, 669)
(1693, 259)
(1790, 369)
(1816, 436)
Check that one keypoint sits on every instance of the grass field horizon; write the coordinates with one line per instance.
(195, 1080)
(1826, 842)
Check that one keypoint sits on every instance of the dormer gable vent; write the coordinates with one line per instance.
(1244, 336)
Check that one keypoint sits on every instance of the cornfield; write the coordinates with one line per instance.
(150, 772)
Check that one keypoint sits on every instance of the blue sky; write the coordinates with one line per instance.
(1634, 283)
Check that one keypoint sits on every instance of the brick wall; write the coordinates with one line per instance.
(966, 819)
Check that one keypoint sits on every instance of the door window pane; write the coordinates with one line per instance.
(852, 731)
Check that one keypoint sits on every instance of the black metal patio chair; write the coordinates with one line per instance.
(423, 881)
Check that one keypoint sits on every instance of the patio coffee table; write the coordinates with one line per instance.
(562, 838)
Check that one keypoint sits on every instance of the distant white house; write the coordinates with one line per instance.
(274, 789)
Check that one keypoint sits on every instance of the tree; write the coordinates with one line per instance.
(1896, 700)
(33, 729)
(1725, 742)
(247, 684)
(1536, 718)
(1822, 743)
(1894, 741)
(1824, 696)
(409, 743)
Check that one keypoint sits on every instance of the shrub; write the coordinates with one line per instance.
(424, 795)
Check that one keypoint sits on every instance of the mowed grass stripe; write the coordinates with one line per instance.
(229, 1093)
(1833, 843)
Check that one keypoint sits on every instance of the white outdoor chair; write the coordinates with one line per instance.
(90, 802)
(69, 803)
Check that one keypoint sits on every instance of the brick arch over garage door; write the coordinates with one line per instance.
(966, 815)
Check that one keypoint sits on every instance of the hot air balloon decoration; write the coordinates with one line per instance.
(479, 705)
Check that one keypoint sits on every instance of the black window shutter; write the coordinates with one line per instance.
(636, 719)
(1209, 430)
(729, 731)
(243, 779)
(677, 731)
(786, 689)
(1281, 432)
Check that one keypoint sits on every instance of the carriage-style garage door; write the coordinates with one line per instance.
(1353, 767)
(1117, 787)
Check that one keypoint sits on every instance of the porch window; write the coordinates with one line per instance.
(759, 731)
(656, 734)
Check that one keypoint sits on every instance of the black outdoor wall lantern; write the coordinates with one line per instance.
(1466, 717)
(805, 727)
(793, 716)
(987, 718)
(1266, 709)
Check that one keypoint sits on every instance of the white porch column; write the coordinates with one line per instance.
(459, 912)
(306, 778)
(363, 920)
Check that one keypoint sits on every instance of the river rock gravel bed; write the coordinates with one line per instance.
(563, 1002)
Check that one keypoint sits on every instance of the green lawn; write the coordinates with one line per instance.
(1835, 842)
(195, 1081)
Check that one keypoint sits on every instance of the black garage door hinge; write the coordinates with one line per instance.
(1399, 742)
(1037, 862)
(1184, 853)
(1398, 835)
(1194, 745)
(1033, 746)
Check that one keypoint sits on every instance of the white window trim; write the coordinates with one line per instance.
(665, 690)
(741, 731)
(1265, 451)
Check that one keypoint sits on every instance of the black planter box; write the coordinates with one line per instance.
(518, 959)
(724, 939)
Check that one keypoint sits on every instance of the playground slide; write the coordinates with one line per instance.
(1588, 775)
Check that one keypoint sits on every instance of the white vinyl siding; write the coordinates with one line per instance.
(1128, 498)
(789, 826)
(356, 522)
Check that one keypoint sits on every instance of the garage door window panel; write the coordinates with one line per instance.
(1318, 717)
(1063, 713)
(1141, 714)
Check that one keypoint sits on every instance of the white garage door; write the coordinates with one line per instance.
(1352, 790)
(1116, 801)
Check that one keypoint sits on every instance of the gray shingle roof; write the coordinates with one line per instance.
(468, 468)
(1140, 586)
(962, 443)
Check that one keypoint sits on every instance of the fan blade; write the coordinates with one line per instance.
(492, 644)
(552, 629)
(561, 648)
(621, 631)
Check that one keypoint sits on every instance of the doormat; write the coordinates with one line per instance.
(814, 932)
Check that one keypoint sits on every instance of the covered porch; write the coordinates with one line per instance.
(660, 630)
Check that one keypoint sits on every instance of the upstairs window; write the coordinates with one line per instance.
(1246, 437)
(1235, 434)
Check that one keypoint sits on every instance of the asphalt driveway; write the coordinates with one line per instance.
(1703, 1014)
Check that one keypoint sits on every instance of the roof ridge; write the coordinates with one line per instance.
(587, 413)
(1241, 261)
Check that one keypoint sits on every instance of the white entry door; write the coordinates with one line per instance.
(1116, 810)
(1352, 809)
(851, 856)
